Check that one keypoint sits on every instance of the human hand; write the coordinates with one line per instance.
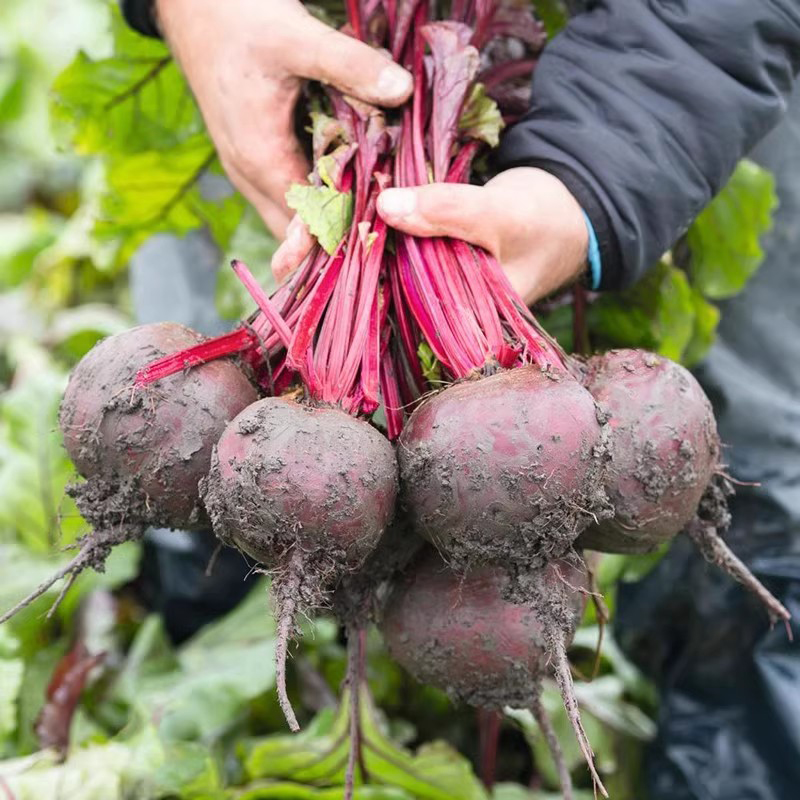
(525, 217)
(245, 61)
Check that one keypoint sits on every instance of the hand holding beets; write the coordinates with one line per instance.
(510, 450)
(525, 217)
(245, 61)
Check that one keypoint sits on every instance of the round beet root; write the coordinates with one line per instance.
(287, 476)
(504, 469)
(145, 449)
(142, 450)
(460, 633)
(664, 448)
(305, 491)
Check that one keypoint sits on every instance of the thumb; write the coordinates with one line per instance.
(441, 209)
(350, 65)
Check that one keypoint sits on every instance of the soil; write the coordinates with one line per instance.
(359, 597)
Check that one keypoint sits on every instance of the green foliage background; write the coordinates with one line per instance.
(101, 146)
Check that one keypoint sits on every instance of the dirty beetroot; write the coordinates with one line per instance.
(142, 450)
(505, 469)
(664, 476)
(394, 374)
(307, 492)
(664, 448)
(152, 444)
(461, 634)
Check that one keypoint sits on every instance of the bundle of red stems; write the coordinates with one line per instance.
(351, 325)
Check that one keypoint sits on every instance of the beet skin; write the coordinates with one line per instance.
(664, 448)
(144, 449)
(504, 469)
(459, 633)
(287, 476)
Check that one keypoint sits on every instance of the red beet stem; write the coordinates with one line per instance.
(262, 301)
(228, 344)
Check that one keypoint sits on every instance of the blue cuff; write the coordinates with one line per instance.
(593, 256)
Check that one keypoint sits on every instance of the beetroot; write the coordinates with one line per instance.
(142, 450)
(288, 476)
(664, 448)
(664, 476)
(154, 444)
(307, 492)
(463, 635)
(508, 468)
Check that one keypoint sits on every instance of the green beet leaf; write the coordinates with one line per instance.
(134, 100)
(326, 212)
(161, 191)
(656, 314)
(202, 690)
(318, 756)
(481, 118)
(706, 319)
(285, 790)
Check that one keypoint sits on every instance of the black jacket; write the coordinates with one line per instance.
(643, 108)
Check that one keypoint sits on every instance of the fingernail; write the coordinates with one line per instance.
(397, 202)
(394, 83)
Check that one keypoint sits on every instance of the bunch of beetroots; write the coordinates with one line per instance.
(298, 434)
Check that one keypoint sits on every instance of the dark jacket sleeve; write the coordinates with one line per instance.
(643, 108)
(139, 14)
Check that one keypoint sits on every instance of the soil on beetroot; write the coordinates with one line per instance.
(507, 469)
(288, 477)
(360, 595)
(144, 450)
(460, 634)
(664, 449)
